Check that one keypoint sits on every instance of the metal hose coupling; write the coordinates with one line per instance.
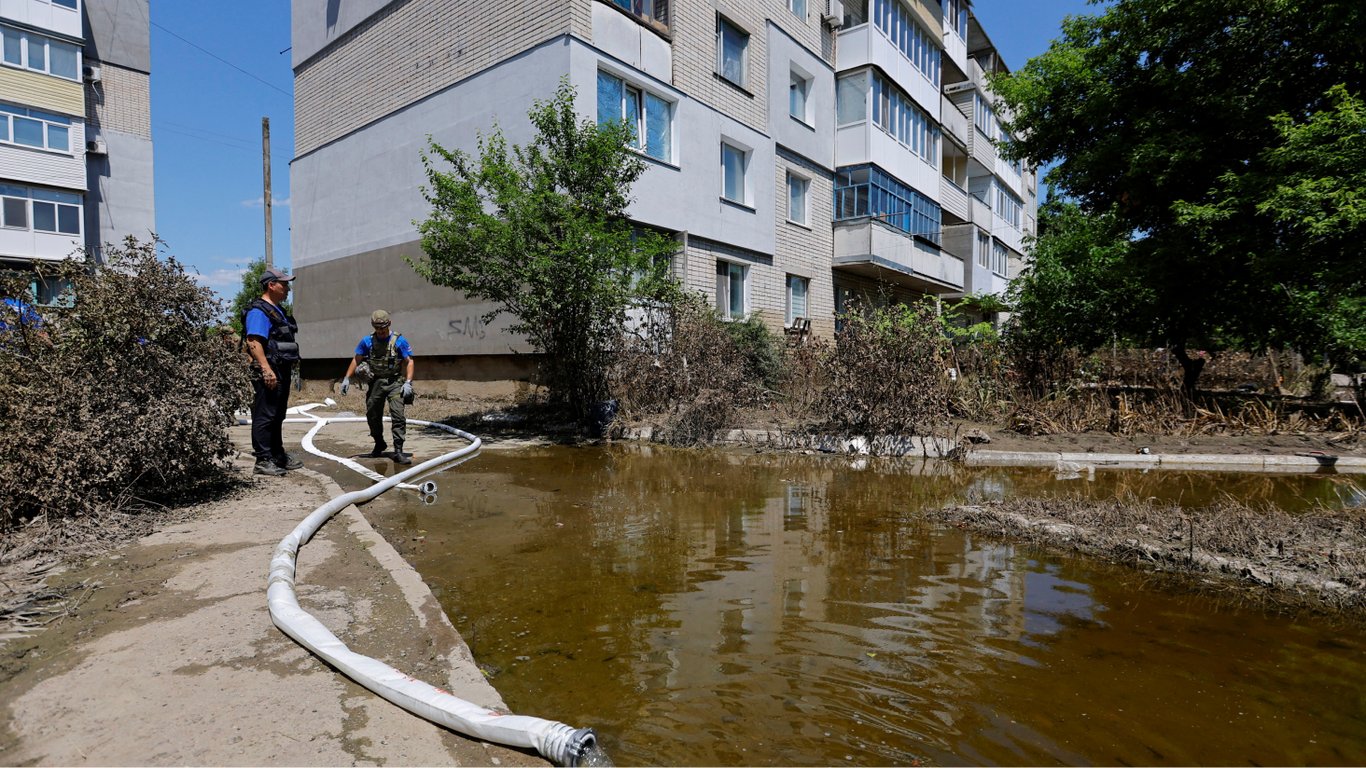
(568, 746)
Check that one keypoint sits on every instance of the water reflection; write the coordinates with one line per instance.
(724, 609)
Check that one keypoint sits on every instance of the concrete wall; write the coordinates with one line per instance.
(120, 200)
(119, 32)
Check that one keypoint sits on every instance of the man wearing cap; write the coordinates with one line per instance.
(390, 359)
(274, 353)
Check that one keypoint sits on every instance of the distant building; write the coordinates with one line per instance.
(803, 152)
(75, 129)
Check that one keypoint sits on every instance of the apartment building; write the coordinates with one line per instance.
(803, 152)
(75, 130)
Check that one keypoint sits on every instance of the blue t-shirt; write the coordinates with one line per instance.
(19, 312)
(258, 324)
(401, 347)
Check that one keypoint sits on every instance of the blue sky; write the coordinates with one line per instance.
(218, 68)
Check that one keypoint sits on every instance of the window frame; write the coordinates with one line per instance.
(722, 24)
(60, 205)
(743, 156)
(734, 272)
(792, 315)
(792, 6)
(48, 125)
(642, 97)
(798, 181)
(25, 41)
(796, 77)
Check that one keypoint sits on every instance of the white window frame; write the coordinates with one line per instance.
(1000, 257)
(797, 183)
(49, 124)
(983, 241)
(26, 40)
(743, 156)
(722, 25)
(60, 202)
(798, 8)
(799, 83)
(734, 272)
(792, 313)
(633, 94)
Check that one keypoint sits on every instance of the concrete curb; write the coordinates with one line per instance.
(944, 448)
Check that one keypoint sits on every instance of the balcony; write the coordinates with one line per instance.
(871, 249)
(955, 123)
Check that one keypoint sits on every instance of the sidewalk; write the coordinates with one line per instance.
(170, 656)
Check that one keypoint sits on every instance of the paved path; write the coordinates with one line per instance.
(168, 655)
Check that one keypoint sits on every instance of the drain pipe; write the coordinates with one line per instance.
(556, 742)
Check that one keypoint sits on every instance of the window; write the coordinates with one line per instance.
(984, 117)
(867, 191)
(1008, 205)
(34, 128)
(983, 250)
(53, 292)
(796, 197)
(797, 94)
(895, 113)
(796, 298)
(65, 3)
(999, 258)
(732, 280)
(40, 54)
(732, 47)
(956, 17)
(43, 210)
(648, 117)
(919, 46)
(851, 98)
(798, 7)
(649, 10)
(733, 174)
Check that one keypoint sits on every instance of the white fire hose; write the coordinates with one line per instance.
(557, 742)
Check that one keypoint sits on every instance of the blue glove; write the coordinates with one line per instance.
(346, 385)
(408, 389)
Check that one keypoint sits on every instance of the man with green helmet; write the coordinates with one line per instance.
(389, 360)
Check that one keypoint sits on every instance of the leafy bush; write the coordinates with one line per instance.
(124, 396)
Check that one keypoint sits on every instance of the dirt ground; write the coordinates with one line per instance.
(162, 652)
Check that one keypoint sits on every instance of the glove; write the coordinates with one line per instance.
(346, 385)
(407, 390)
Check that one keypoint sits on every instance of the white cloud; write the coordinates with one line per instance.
(224, 282)
(260, 202)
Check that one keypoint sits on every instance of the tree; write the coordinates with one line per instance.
(247, 293)
(1152, 111)
(542, 231)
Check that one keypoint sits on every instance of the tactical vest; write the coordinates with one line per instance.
(384, 358)
(281, 348)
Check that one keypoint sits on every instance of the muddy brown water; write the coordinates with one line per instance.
(718, 608)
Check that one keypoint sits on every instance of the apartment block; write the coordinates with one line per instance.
(75, 130)
(803, 152)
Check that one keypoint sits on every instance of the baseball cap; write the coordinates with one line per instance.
(271, 275)
(379, 317)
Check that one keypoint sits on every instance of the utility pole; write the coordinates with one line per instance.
(265, 165)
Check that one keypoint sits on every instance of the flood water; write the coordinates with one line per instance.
(718, 608)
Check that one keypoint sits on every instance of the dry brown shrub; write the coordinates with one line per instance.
(684, 364)
(125, 399)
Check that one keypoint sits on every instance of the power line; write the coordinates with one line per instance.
(225, 61)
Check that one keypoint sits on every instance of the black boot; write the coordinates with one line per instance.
(381, 450)
(402, 458)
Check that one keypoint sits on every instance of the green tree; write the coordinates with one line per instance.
(1151, 110)
(541, 230)
(249, 291)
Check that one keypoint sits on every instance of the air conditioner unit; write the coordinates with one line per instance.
(91, 72)
(96, 147)
(834, 14)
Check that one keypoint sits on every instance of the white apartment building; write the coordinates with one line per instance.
(75, 129)
(802, 151)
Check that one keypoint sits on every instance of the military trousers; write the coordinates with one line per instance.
(388, 391)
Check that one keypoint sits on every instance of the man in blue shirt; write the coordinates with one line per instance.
(274, 353)
(390, 362)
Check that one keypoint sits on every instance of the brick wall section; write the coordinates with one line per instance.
(695, 57)
(410, 50)
(805, 251)
(811, 33)
(121, 102)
